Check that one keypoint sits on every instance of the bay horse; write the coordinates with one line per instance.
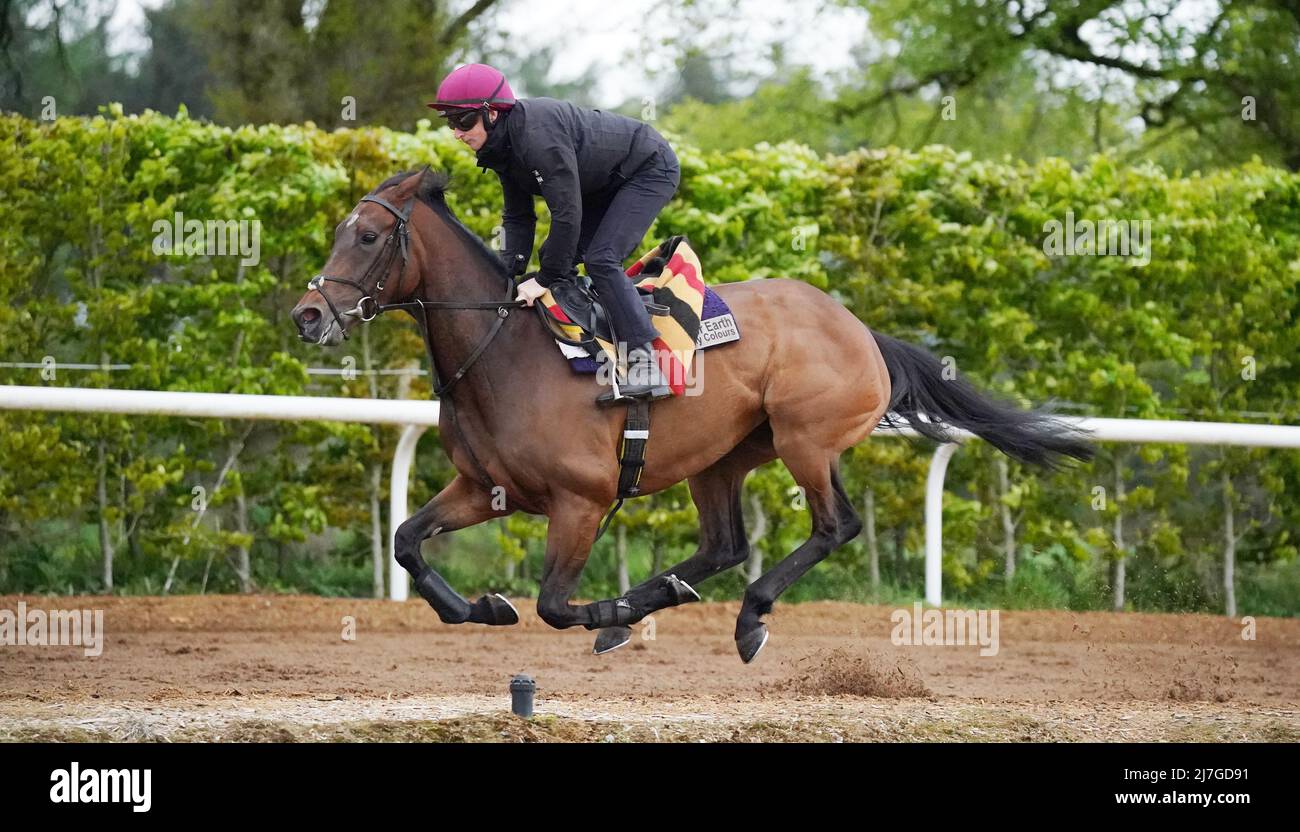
(806, 381)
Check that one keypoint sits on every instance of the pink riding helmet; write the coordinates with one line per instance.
(473, 86)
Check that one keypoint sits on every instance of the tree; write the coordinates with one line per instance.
(58, 50)
(1220, 77)
(172, 71)
(530, 76)
(272, 62)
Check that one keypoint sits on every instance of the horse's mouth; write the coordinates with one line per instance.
(331, 335)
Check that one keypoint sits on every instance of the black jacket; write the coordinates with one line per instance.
(561, 152)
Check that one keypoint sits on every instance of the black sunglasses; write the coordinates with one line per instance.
(462, 119)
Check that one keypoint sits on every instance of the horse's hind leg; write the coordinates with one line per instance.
(817, 409)
(716, 491)
(834, 522)
(462, 503)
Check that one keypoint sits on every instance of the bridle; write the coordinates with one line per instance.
(401, 234)
(397, 242)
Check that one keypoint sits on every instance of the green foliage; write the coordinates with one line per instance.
(1211, 85)
(933, 246)
(341, 62)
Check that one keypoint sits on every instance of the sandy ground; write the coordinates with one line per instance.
(279, 668)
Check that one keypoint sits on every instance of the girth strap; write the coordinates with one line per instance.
(636, 435)
(631, 456)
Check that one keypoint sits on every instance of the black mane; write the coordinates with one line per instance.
(432, 191)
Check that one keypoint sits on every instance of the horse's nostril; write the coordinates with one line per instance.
(306, 318)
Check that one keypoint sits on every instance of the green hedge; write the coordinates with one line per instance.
(930, 246)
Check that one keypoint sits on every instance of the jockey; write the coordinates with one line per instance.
(604, 178)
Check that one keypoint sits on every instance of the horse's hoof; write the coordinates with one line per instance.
(611, 638)
(680, 591)
(750, 643)
(494, 610)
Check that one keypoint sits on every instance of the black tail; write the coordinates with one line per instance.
(930, 403)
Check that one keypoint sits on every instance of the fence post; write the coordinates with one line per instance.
(934, 523)
(398, 580)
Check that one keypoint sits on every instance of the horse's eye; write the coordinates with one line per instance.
(369, 237)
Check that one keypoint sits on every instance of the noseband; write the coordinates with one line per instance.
(397, 242)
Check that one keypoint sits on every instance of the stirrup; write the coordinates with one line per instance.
(620, 395)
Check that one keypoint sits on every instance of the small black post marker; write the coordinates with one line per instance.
(522, 688)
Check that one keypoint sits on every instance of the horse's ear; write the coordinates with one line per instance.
(420, 183)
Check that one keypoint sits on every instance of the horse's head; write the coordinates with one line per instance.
(366, 266)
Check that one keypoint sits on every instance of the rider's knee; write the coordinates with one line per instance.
(600, 260)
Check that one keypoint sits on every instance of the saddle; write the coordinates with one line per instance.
(576, 298)
(574, 315)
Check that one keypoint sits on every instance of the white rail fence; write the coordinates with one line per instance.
(1139, 431)
(414, 417)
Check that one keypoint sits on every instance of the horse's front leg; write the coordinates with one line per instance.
(462, 503)
(569, 537)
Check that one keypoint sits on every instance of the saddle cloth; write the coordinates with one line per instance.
(669, 275)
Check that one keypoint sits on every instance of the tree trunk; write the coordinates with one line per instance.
(900, 539)
(1229, 549)
(235, 448)
(132, 533)
(404, 380)
(376, 529)
(105, 537)
(656, 554)
(133, 541)
(754, 564)
(207, 566)
(1120, 554)
(1008, 525)
(869, 529)
(244, 568)
(620, 549)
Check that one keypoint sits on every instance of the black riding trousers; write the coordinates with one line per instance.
(613, 224)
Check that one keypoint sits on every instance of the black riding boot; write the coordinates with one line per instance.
(644, 378)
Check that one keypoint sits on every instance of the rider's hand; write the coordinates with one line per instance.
(530, 290)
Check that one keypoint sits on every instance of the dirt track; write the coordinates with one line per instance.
(277, 668)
